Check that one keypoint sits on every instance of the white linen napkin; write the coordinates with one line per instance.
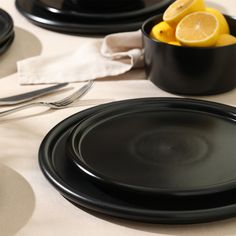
(115, 54)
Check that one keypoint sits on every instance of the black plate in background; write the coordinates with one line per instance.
(163, 147)
(99, 12)
(6, 26)
(71, 182)
(56, 22)
(4, 46)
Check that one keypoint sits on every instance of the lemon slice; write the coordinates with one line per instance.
(198, 29)
(225, 39)
(175, 43)
(180, 8)
(224, 27)
(163, 32)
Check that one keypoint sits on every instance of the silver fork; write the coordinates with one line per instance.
(63, 103)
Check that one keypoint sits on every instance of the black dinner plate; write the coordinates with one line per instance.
(163, 147)
(6, 26)
(4, 46)
(102, 12)
(83, 25)
(75, 185)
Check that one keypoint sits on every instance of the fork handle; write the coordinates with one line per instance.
(19, 108)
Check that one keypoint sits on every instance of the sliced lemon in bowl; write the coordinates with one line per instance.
(163, 32)
(180, 8)
(175, 43)
(225, 40)
(198, 29)
(224, 27)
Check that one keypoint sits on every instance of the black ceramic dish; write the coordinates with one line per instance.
(109, 10)
(73, 184)
(6, 26)
(105, 6)
(4, 46)
(159, 147)
(188, 70)
(71, 25)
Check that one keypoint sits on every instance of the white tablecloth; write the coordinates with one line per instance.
(29, 205)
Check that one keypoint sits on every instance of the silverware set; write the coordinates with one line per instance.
(62, 103)
(25, 97)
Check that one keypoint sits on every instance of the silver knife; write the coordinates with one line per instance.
(24, 97)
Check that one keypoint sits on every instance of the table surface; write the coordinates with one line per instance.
(29, 205)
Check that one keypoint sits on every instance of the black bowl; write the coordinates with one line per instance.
(189, 70)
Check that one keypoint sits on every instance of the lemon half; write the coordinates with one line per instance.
(198, 29)
(180, 8)
(225, 39)
(163, 32)
(224, 27)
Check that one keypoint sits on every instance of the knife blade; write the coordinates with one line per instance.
(24, 97)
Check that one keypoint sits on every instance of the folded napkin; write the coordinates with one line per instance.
(113, 55)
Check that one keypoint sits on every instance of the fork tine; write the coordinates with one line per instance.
(71, 98)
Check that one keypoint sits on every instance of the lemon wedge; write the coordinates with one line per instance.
(225, 39)
(175, 43)
(198, 29)
(224, 27)
(180, 8)
(163, 32)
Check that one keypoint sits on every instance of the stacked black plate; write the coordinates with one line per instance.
(160, 160)
(90, 17)
(6, 31)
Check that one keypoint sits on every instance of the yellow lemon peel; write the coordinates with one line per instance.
(163, 32)
(224, 27)
(225, 40)
(180, 8)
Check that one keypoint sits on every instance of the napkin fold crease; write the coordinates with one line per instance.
(113, 55)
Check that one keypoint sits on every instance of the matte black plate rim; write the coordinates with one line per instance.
(5, 45)
(7, 20)
(106, 16)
